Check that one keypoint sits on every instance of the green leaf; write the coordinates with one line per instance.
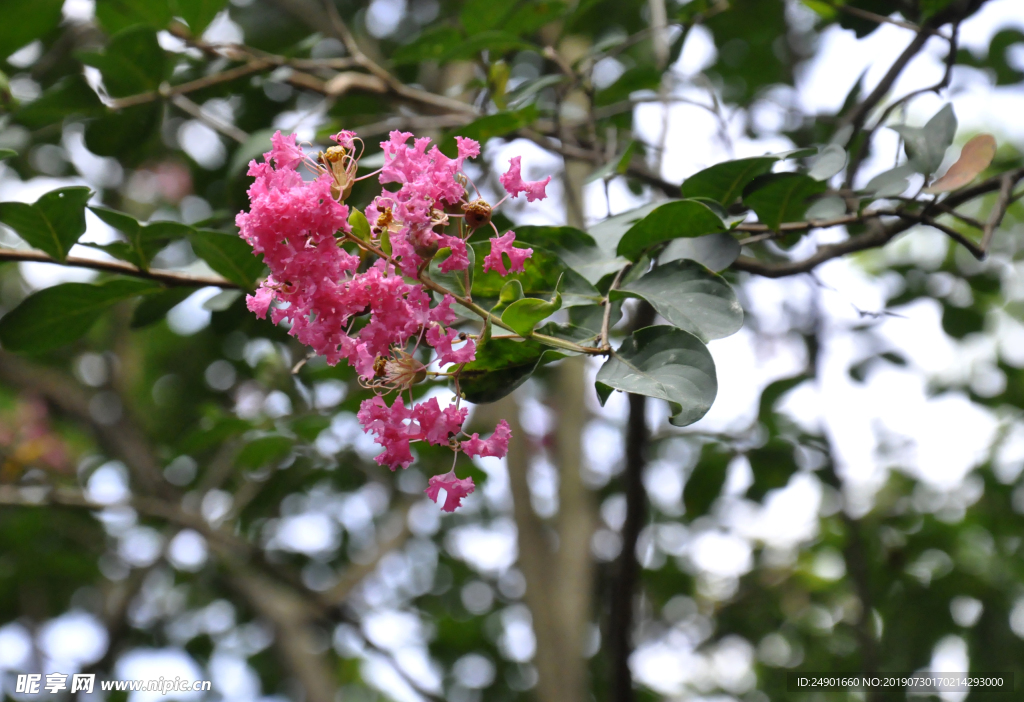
(510, 292)
(132, 62)
(608, 232)
(53, 224)
(266, 449)
(229, 255)
(116, 15)
(666, 363)
(70, 95)
(926, 146)
(891, 182)
(704, 484)
(61, 314)
(121, 134)
(724, 182)
(496, 42)
(532, 16)
(577, 249)
(826, 208)
(715, 251)
(525, 314)
(502, 365)
(155, 306)
(480, 15)
(25, 21)
(197, 13)
(360, 226)
(524, 93)
(7, 153)
(690, 297)
(772, 465)
(539, 278)
(144, 241)
(781, 197)
(830, 161)
(431, 45)
(681, 218)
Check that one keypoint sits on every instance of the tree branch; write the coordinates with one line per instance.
(168, 278)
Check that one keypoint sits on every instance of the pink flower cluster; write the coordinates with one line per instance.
(298, 226)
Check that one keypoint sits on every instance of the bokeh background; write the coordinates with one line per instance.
(851, 502)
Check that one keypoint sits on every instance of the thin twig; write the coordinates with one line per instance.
(167, 91)
(226, 128)
(999, 211)
(605, 344)
(168, 278)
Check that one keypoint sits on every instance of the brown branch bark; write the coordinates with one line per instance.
(169, 278)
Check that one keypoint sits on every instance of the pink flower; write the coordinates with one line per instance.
(503, 245)
(458, 260)
(496, 446)
(455, 489)
(514, 184)
(437, 425)
(442, 342)
(259, 303)
(284, 152)
(391, 430)
(344, 138)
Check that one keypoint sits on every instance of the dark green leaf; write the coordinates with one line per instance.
(69, 96)
(607, 233)
(144, 241)
(53, 224)
(500, 367)
(681, 218)
(229, 255)
(781, 197)
(480, 15)
(772, 465)
(525, 314)
(116, 15)
(7, 153)
(63, 313)
(724, 182)
(431, 45)
(266, 449)
(690, 297)
(26, 20)
(532, 16)
(998, 49)
(704, 484)
(123, 133)
(155, 306)
(132, 62)
(666, 363)
(496, 42)
(577, 249)
(539, 278)
(198, 13)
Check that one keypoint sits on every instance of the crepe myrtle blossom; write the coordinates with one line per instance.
(368, 301)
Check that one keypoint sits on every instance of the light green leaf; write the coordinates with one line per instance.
(61, 314)
(539, 278)
(831, 160)
(510, 292)
(666, 363)
(360, 226)
(781, 197)
(525, 314)
(229, 255)
(681, 218)
(715, 251)
(689, 296)
(7, 153)
(724, 182)
(892, 182)
(826, 208)
(926, 146)
(53, 223)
